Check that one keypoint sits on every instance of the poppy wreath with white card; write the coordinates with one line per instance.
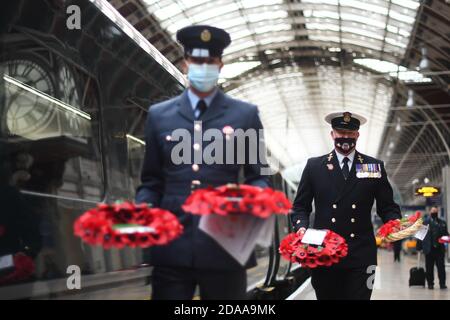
(237, 199)
(399, 229)
(127, 224)
(331, 251)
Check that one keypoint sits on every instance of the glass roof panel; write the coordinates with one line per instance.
(306, 97)
(293, 99)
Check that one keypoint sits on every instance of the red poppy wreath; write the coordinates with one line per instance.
(237, 199)
(399, 229)
(333, 249)
(23, 269)
(127, 224)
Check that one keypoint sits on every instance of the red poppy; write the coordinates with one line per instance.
(287, 246)
(389, 227)
(412, 219)
(324, 260)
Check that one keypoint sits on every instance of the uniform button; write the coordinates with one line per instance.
(195, 167)
(334, 206)
(352, 235)
(168, 138)
(197, 127)
(196, 146)
(333, 220)
(353, 220)
(298, 221)
(354, 206)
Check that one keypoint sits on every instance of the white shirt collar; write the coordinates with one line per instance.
(341, 157)
(194, 99)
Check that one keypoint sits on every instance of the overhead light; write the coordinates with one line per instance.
(334, 49)
(424, 64)
(129, 136)
(415, 181)
(393, 70)
(398, 127)
(410, 101)
(391, 145)
(388, 154)
(426, 180)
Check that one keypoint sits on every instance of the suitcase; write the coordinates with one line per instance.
(417, 274)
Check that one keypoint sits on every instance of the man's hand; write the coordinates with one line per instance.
(300, 231)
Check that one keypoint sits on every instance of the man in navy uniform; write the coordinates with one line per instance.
(195, 258)
(344, 185)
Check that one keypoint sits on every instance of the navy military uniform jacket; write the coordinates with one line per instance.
(344, 206)
(167, 185)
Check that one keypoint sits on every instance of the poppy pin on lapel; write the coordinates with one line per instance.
(330, 166)
(228, 131)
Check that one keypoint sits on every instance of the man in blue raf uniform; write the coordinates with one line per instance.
(195, 258)
(344, 185)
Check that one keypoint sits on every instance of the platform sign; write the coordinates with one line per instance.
(428, 191)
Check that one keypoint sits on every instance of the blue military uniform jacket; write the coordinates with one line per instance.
(344, 206)
(167, 185)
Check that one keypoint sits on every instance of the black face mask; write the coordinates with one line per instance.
(433, 214)
(345, 145)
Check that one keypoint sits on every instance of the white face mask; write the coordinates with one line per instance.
(203, 77)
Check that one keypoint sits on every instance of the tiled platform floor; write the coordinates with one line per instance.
(392, 283)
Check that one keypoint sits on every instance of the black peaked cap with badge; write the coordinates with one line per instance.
(345, 120)
(203, 40)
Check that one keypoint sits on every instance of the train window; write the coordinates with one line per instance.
(48, 136)
(50, 162)
(257, 275)
(283, 230)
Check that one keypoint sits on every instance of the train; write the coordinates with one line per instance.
(73, 109)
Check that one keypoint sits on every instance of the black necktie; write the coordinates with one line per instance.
(201, 107)
(345, 168)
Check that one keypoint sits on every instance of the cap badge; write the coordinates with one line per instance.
(205, 35)
(330, 156)
(347, 116)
